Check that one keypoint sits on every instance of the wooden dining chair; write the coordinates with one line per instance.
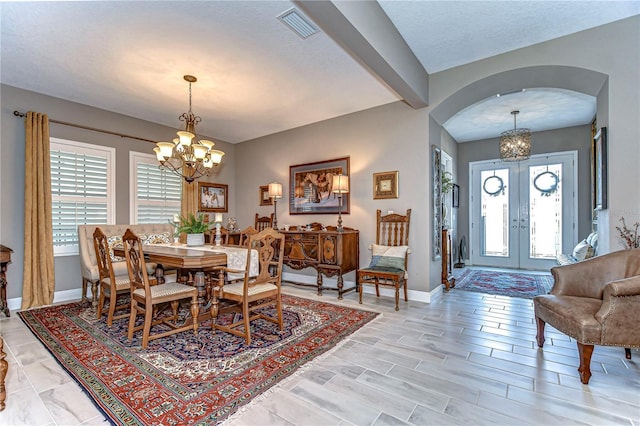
(224, 236)
(264, 222)
(111, 285)
(254, 293)
(389, 255)
(145, 295)
(245, 234)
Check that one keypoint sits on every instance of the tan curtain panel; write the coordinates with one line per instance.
(39, 279)
(189, 202)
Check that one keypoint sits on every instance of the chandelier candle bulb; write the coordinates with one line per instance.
(185, 138)
(166, 149)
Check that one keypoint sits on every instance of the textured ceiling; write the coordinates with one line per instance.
(256, 77)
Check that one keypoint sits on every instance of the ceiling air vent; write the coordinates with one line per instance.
(300, 25)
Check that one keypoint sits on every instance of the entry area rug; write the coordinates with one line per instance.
(514, 284)
(183, 378)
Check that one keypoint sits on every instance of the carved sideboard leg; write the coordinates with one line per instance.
(340, 286)
(4, 366)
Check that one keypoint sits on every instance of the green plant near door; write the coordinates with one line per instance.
(447, 182)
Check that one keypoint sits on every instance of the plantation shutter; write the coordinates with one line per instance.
(158, 193)
(79, 191)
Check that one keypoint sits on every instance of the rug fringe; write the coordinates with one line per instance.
(299, 371)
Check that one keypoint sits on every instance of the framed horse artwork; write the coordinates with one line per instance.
(310, 190)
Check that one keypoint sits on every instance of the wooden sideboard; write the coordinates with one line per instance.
(330, 253)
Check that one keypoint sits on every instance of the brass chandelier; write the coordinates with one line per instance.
(515, 145)
(188, 156)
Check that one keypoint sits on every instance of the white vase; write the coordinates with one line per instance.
(195, 239)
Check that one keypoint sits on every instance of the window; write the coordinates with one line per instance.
(156, 192)
(81, 190)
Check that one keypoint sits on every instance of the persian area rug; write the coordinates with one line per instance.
(184, 378)
(514, 284)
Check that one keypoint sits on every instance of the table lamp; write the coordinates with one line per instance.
(275, 192)
(340, 186)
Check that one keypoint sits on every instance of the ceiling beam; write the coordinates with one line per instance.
(368, 35)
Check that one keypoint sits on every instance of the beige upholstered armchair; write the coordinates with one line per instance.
(596, 302)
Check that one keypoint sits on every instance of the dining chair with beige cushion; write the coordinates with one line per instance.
(110, 285)
(145, 295)
(253, 293)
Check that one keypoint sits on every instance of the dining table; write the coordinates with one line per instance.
(191, 262)
(199, 264)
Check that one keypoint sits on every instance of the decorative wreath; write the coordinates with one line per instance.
(547, 188)
(499, 184)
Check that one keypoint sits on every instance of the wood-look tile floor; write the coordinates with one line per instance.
(467, 359)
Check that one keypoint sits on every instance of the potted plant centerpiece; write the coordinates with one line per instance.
(194, 227)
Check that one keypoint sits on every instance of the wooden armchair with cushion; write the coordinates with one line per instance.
(253, 293)
(389, 254)
(596, 302)
(145, 296)
(264, 222)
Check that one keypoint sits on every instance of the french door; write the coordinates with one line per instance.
(523, 213)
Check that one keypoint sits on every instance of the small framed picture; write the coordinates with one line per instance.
(265, 200)
(385, 185)
(600, 167)
(455, 196)
(213, 197)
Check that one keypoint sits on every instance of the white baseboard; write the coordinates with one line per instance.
(415, 295)
(58, 297)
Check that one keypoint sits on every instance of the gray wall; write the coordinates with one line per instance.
(386, 138)
(67, 268)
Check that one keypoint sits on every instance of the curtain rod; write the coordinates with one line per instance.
(79, 126)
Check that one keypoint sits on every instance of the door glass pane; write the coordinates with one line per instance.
(545, 211)
(494, 215)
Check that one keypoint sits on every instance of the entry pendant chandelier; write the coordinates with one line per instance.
(188, 156)
(515, 145)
